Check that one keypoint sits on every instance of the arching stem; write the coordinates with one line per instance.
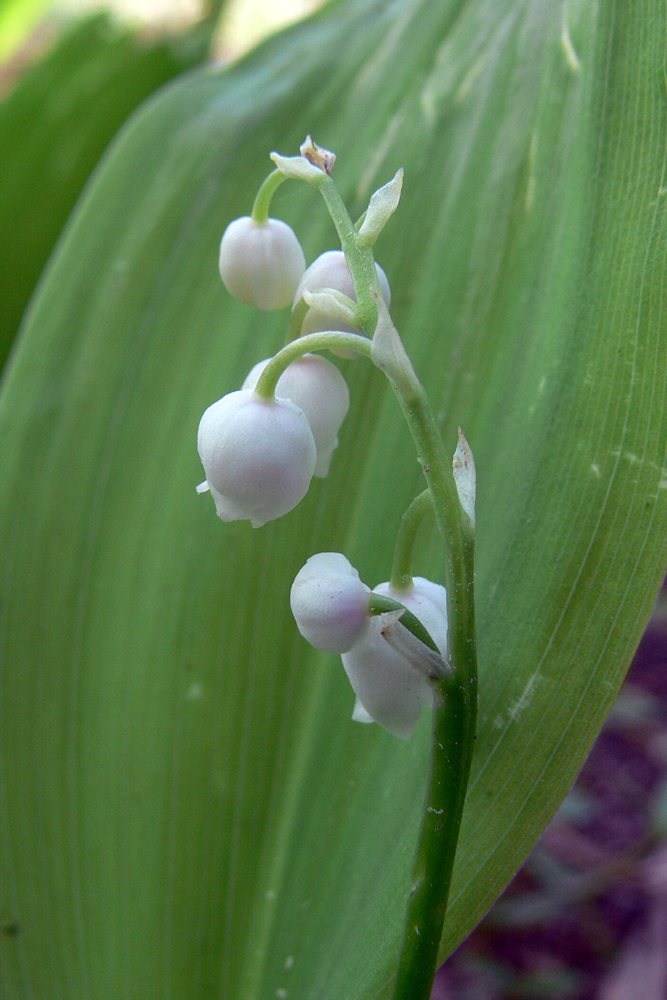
(327, 340)
(262, 203)
(401, 571)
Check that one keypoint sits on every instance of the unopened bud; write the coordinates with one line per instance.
(330, 270)
(261, 262)
(259, 456)
(330, 603)
(317, 387)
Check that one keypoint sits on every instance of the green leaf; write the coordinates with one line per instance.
(54, 126)
(186, 808)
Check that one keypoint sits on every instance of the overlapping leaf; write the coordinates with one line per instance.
(186, 809)
(54, 127)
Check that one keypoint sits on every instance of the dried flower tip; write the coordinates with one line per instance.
(318, 155)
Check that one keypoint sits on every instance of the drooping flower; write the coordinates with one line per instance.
(259, 456)
(387, 686)
(330, 603)
(330, 270)
(317, 387)
(331, 608)
(261, 262)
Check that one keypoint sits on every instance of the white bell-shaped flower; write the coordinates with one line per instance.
(330, 270)
(388, 688)
(330, 603)
(259, 456)
(317, 387)
(261, 262)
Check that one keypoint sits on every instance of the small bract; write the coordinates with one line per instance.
(330, 270)
(259, 456)
(330, 603)
(388, 688)
(317, 387)
(261, 262)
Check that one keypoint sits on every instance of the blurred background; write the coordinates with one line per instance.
(28, 27)
(586, 917)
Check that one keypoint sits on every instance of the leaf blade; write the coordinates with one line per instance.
(232, 742)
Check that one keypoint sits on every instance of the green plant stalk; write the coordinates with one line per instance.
(455, 697)
(262, 202)
(401, 570)
(359, 258)
(326, 340)
(455, 704)
(454, 717)
(296, 319)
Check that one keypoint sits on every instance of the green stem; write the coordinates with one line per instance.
(359, 259)
(401, 571)
(262, 203)
(327, 340)
(453, 735)
(455, 696)
(214, 9)
(455, 709)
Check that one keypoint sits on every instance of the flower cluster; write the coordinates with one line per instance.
(260, 455)
(332, 611)
(262, 444)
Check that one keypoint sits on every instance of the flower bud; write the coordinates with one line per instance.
(317, 387)
(259, 456)
(387, 686)
(261, 262)
(330, 603)
(330, 270)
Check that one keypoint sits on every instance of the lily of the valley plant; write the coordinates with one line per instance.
(409, 642)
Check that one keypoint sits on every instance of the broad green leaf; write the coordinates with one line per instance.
(54, 126)
(186, 809)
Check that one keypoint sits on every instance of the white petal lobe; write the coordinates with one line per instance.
(389, 688)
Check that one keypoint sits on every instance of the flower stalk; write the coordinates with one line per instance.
(359, 258)
(262, 203)
(327, 340)
(329, 601)
(453, 734)
(401, 570)
(455, 701)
